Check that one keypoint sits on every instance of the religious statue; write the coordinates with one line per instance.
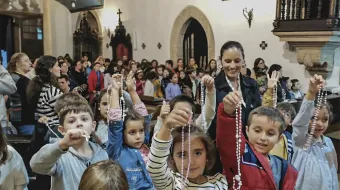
(248, 15)
(20, 5)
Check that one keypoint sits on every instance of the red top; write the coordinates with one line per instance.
(92, 81)
(256, 171)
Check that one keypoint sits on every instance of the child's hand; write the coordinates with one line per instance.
(231, 101)
(72, 137)
(208, 81)
(315, 83)
(177, 118)
(130, 82)
(43, 120)
(165, 110)
(272, 81)
(116, 81)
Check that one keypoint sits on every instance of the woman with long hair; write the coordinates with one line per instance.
(12, 167)
(20, 116)
(259, 67)
(43, 91)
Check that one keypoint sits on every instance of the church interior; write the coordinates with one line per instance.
(300, 37)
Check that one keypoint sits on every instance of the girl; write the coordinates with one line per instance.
(212, 68)
(149, 89)
(12, 167)
(318, 164)
(154, 64)
(108, 74)
(180, 66)
(127, 138)
(166, 145)
(43, 91)
(104, 175)
(139, 82)
(259, 66)
(20, 116)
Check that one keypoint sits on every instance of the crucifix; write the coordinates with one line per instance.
(119, 13)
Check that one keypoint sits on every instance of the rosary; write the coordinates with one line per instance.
(321, 97)
(204, 123)
(121, 102)
(237, 182)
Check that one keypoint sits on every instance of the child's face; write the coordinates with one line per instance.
(120, 63)
(134, 133)
(82, 120)
(198, 156)
(288, 117)
(140, 76)
(297, 86)
(201, 74)
(165, 73)
(103, 106)
(182, 75)
(96, 67)
(193, 75)
(289, 85)
(174, 79)
(134, 68)
(322, 121)
(263, 134)
(160, 71)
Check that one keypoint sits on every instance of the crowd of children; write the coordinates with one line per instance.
(113, 146)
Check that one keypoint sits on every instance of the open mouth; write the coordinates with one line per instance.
(318, 130)
(261, 145)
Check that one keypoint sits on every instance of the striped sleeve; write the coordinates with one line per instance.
(157, 166)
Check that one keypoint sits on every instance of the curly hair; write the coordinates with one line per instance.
(12, 65)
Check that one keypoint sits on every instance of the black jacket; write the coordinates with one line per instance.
(250, 93)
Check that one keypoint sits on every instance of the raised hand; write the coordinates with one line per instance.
(208, 81)
(130, 82)
(315, 83)
(272, 80)
(72, 137)
(177, 118)
(117, 81)
(231, 101)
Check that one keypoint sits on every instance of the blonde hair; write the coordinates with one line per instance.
(12, 65)
(104, 175)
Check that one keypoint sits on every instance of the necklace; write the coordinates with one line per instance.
(204, 122)
(237, 178)
(121, 102)
(321, 98)
(233, 89)
(185, 179)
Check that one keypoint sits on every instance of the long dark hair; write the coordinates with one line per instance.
(231, 44)
(3, 148)
(43, 77)
(256, 63)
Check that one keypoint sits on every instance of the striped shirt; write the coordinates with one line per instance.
(165, 178)
(46, 102)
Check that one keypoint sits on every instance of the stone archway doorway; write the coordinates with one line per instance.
(180, 27)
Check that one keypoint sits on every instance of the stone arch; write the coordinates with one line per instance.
(96, 16)
(181, 25)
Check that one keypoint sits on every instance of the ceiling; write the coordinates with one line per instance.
(82, 5)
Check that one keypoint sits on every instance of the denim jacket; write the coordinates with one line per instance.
(129, 158)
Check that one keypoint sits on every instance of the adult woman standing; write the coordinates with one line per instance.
(43, 91)
(20, 116)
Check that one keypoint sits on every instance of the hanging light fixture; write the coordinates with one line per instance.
(73, 3)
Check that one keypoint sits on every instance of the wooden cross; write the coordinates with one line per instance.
(263, 45)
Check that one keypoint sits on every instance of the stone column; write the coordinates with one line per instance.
(47, 27)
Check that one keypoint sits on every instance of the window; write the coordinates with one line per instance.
(32, 29)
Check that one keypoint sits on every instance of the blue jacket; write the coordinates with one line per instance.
(129, 158)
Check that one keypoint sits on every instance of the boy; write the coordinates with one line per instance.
(66, 160)
(95, 81)
(264, 129)
(284, 149)
(173, 88)
(160, 69)
(295, 89)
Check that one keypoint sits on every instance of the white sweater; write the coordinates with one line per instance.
(13, 174)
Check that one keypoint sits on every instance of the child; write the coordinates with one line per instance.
(12, 167)
(295, 89)
(104, 175)
(186, 101)
(166, 146)
(173, 88)
(200, 73)
(317, 165)
(139, 82)
(66, 160)
(127, 138)
(149, 89)
(284, 148)
(160, 69)
(264, 128)
(95, 81)
(165, 80)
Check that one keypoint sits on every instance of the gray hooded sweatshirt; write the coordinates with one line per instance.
(65, 167)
